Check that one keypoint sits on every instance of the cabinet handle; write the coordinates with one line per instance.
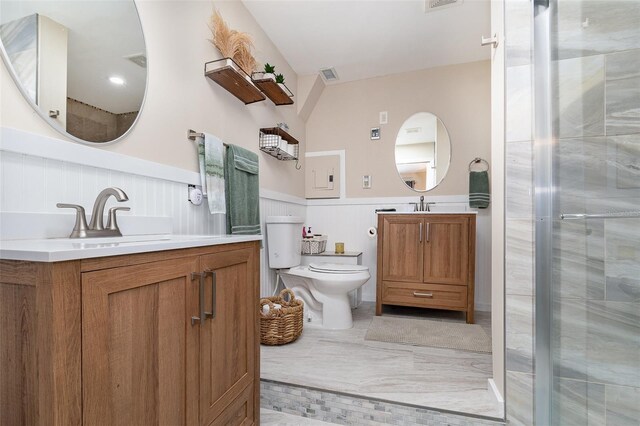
(418, 294)
(428, 231)
(214, 286)
(420, 231)
(202, 316)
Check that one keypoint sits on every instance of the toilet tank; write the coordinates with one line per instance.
(284, 241)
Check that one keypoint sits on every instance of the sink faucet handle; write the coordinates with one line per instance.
(80, 227)
(112, 224)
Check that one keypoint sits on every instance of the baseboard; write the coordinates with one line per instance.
(493, 388)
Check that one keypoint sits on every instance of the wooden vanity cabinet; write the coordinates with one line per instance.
(426, 260)
(113, 341)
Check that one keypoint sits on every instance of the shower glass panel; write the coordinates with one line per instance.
(591, 177)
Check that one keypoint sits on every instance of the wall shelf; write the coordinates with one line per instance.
(279, 144)
(229, 75)
(279, 94)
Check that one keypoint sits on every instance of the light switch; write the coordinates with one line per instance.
(366, 182)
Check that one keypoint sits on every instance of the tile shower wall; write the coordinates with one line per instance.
(596, 286)
(34, 184)
(519, 253)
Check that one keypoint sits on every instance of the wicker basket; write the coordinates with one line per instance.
(284, 325)
(315, 245)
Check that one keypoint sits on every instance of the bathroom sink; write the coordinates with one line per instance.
(136, 239)
(59, 249)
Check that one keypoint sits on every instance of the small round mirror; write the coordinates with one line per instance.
(81, 64)
(423, 152)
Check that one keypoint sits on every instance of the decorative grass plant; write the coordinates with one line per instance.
(231, 43)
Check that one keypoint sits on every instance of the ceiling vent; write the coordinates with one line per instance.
(139, 59)
(329, 74)
(435, 5)
(414, 130)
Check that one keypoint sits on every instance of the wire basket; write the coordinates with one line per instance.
(284, 325)
(278, 143)
(315, 245)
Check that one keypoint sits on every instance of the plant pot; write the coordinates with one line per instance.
(283, 87)
(270, 75)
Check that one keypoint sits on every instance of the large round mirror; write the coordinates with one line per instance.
(423, 151)
(81, 64)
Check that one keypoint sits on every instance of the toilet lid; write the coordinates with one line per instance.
(336, 268)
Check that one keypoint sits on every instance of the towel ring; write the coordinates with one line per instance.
(479, 160)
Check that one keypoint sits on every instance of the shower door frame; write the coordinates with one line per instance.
(544, 144)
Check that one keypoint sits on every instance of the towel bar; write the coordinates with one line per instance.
(616, 215)
(193, 135)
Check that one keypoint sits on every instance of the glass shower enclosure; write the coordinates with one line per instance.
(586, 201)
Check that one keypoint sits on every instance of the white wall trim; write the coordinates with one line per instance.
(494, 390)
(389, 200)
(280, 196)
(21, 142)
(343, 168)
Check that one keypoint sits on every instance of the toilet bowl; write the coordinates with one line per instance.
(323, 287)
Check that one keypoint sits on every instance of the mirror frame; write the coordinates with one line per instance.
(55, 125)
(422, 191)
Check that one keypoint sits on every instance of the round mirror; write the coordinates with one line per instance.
(81, 64)
(423, 151)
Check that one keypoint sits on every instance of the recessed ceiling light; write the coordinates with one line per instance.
(118, 81)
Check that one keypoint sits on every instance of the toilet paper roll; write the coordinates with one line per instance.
(372, 232)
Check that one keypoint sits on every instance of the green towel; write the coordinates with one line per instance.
(242, 191)
(479, 197)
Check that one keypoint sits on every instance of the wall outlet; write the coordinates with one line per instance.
(384, 117)
(366, 182)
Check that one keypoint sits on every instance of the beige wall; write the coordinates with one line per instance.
(179, 97)
(458, 94)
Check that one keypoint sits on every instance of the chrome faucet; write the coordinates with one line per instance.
(96, 227)
(422, 206)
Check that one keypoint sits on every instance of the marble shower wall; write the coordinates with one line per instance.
(519, 254)
(596, 290)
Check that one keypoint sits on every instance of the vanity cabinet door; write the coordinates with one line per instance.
(228, 344)
(402, 256)
(136, 344)
(446, 250)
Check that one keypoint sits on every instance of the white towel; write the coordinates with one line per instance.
(211, 159)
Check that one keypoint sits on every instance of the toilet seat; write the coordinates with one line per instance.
(335, 268)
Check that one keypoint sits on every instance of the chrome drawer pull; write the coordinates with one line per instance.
(214, 286)
(202, 316)
(418, 294)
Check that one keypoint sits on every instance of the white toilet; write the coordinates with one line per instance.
(324, 287)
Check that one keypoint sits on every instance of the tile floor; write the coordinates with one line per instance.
(342, 361)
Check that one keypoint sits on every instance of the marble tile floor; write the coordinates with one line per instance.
(342, 361)
(277, 418)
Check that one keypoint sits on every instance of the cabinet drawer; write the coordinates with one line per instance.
(439, 296)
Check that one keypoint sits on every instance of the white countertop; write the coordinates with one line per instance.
(61, 249)
(469, 212)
